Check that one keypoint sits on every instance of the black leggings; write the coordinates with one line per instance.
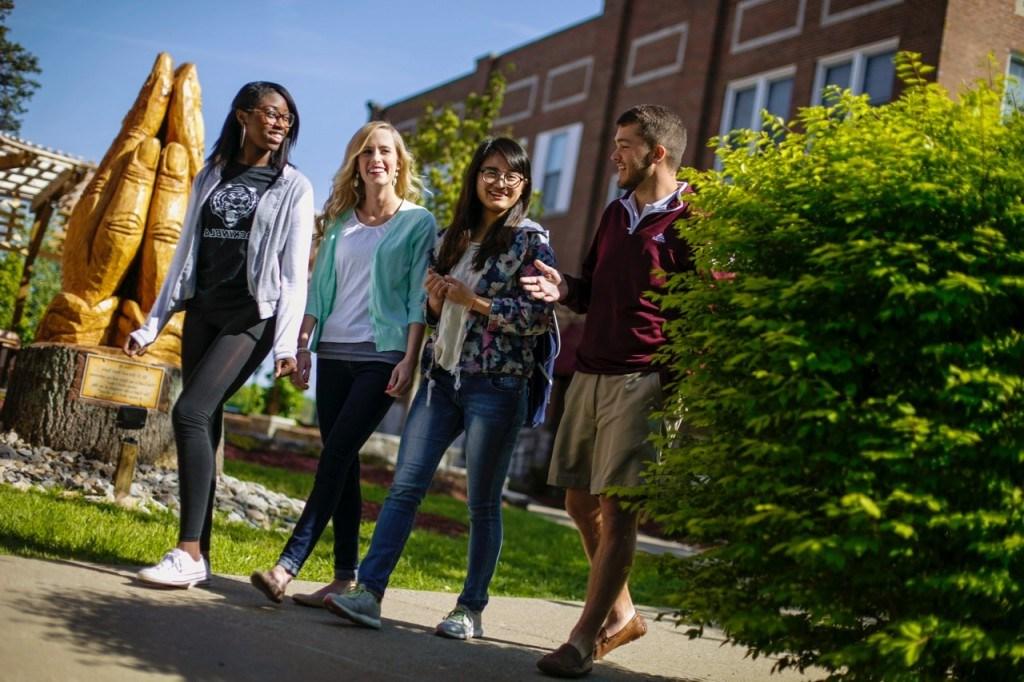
(350, 403)
(218, 353)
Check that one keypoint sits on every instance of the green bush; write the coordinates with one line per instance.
(860, 473)
(249, 399)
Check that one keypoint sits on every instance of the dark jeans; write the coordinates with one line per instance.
(218, 353)
(490, 409)
(350, 402)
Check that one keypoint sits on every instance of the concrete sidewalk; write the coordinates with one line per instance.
(70, 620)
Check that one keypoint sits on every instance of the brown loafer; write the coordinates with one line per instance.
(634, 629)
(311, 600)
(315, 600)
(265, 582)
(566, 661)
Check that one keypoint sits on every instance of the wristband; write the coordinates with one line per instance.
(303, 350)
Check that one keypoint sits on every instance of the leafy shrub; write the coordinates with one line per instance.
(249, 399)
(860, 470)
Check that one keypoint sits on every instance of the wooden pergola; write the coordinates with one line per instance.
(46, 182)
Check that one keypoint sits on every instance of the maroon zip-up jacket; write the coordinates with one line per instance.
(623, 327)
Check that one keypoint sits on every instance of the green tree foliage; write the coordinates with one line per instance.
(249, 399)
(859, 476)
(16, 67)
(43, 286)
(445, 140)
(282, 398)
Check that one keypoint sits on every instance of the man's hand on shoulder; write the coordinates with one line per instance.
(548, 285)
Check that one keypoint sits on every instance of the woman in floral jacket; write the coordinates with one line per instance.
(476, 366)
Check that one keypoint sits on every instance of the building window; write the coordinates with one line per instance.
(866, 70)
(1013, 98)
(747, 98)
(554, 166)
(614, 191)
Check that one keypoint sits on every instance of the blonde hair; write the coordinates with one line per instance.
(348, 191)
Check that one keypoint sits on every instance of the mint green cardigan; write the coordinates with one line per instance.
(397, 272)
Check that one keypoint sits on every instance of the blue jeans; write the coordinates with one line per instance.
(490, 408)
(350, 401)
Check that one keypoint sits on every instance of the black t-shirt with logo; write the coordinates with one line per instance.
(225, 222)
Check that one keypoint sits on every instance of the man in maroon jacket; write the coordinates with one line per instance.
(603, 438)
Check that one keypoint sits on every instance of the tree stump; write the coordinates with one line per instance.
(51, 400)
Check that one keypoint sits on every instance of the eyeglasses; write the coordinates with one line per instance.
(272, 115)
(492, 175)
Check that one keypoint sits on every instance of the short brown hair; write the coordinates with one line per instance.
(658, 125)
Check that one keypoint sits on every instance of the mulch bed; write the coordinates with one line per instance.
(443, 484)
(368, 473)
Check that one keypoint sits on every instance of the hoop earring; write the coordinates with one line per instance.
(241, 141)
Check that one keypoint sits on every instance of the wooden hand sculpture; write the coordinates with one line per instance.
(122, 233)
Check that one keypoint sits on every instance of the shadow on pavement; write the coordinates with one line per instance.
(228, 632)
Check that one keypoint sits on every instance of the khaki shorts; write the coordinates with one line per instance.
(603, 439)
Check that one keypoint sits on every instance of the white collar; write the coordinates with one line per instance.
(662, 205)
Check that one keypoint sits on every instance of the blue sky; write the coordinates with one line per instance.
(332, 55)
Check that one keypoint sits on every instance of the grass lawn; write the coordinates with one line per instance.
(539, 558)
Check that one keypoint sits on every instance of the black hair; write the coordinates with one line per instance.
(229, 145)
(658, 125)
(469, 210)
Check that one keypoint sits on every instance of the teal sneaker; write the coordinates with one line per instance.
(359, 606)
(461, 623)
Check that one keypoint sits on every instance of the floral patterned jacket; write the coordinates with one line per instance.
(504, 341)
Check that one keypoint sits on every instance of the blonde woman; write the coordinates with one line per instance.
(364, 319)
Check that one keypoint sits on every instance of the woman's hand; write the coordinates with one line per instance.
(458, 292)
(132, 348)
(548, 286)
(436, 290)
(303, 365)
(283, 367)
(401, 378)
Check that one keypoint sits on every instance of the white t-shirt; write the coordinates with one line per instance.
(349, 321)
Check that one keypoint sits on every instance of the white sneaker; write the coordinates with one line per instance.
(205, 582)
(176, 569)
(461, 623)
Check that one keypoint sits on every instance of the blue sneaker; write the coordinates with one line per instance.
(359, 606)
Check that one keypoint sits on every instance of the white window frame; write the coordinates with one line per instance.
(529, 82)
(782, 34)
(760, 82)
(828, 18)
(588, 63)
(614, 191)
(540, 156)
(1013, 57)
(681, 29)
(858, 56)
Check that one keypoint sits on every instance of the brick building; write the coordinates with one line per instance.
(718, 63)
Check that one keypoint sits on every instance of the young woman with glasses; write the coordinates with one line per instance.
(364, 319)
(239, 273)
(476, 365)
